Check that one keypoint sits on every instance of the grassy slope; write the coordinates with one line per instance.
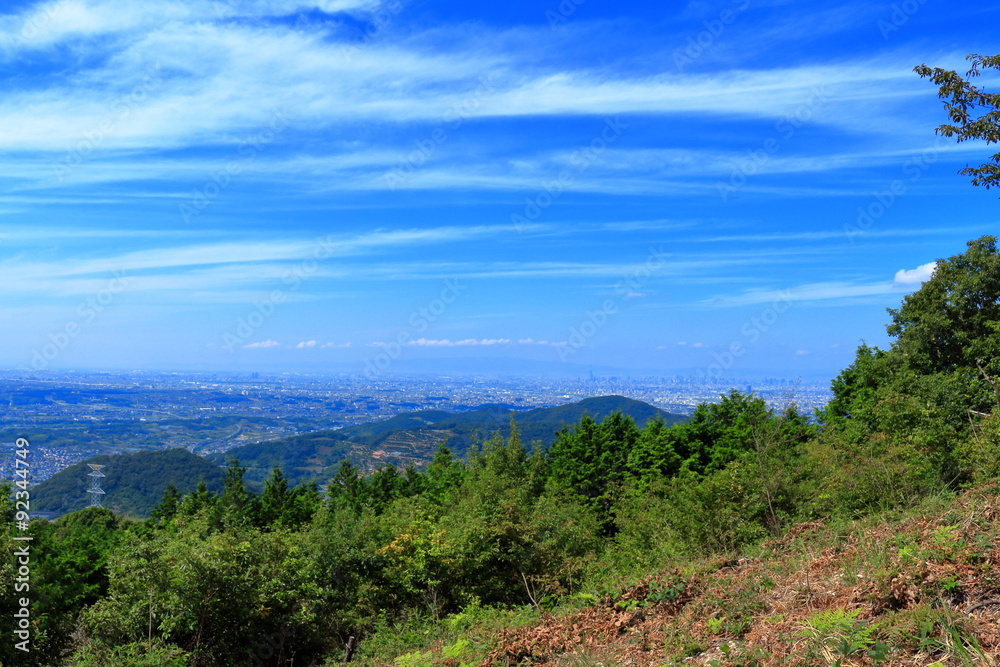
(903, 583)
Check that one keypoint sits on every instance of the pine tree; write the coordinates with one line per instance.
(167, 506)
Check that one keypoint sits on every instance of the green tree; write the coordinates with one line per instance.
(167, 507)
(237, 505)
(419, 558)
(280, 505)
(494, 527)
(7, 509)
(348, 487)
(224, 597)
(899, 419)
(855, 388)
(306, 501)
(72, 555)
(275, 499)
(69, 571)
(345, 545)
(963, 101)
(945, 356)
(197, 501)
(384, 486)
(952, 323)
(444, 475)
(717, 434)
(655, 452)
(413, 482)
(593, 457)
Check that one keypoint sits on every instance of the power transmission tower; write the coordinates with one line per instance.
(95, 489)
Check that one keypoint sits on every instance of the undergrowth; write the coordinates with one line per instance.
(889, 589)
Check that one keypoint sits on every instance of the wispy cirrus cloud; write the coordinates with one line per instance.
(250, 252)
(117, 113)
(46, 24)
(832, 291)
(218, 79)
(164, 95)
(836, 234)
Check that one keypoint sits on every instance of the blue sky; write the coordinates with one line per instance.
(730, 187)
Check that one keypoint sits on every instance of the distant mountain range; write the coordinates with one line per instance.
(134, 483)
(413, 437)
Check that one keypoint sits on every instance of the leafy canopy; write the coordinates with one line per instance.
(963, 101)
(952, 323)
(947, 336)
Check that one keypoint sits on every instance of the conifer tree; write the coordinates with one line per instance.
(168, 504)
(274, 499)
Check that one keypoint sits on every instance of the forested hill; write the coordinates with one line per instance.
(413, 437)
(741, 536)
(538, 424)
(133, 485)
(597, 408)
(135, 482)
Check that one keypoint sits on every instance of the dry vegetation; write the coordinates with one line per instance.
(923, 589)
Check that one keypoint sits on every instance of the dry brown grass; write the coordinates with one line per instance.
(909, 582)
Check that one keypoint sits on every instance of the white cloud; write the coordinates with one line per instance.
(170, 74)
(309, 344)
(262, 344)
(47, 24)
(445, 342)
(217, 79)
(224, 264)
(917, 276)
(424, 342)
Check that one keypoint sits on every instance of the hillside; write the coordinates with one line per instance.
(413, 437)
(133, 483)
(312, 456)
(919, 589)
(464, 429)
